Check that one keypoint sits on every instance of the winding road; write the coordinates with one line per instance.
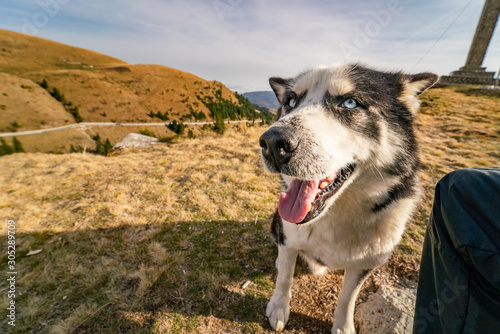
(88, 124)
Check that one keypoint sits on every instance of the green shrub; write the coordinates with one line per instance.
(160, 115)
(44, 84)
(76, 115)
(219, 125)
(176, 127)
(100, 148)
(6, 149)
(77, 149)
(56, 94)
(147, 132)
(18, 147)
(220, 107)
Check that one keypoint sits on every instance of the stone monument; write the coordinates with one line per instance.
(472, 73)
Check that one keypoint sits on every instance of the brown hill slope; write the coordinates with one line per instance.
(129, 93)
(21, 53)
(99, 87)
(28, 105)
(106, 89)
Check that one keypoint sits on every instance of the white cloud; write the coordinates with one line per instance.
(242, 42)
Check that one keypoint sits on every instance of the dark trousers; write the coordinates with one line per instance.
(459, 283)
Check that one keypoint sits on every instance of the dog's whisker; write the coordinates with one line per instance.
(381, 176)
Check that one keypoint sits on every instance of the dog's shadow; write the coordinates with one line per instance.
(307, 324)
(250, 309)
(170, 277)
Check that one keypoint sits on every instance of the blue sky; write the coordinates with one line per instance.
(242, 43)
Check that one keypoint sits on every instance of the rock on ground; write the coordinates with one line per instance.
(135, 140)
(389, 310)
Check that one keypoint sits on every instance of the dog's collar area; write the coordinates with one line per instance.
(326, 190)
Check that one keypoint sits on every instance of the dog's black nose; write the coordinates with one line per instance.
(278, 146)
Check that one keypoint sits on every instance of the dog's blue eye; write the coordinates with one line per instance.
(292, 103)
(349, 104)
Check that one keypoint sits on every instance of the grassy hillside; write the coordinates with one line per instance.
(22, 53)
(96, 87)
(130, 93)
(162, 239)
(25, 103)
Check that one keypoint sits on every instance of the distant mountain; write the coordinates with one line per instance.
(263, 98)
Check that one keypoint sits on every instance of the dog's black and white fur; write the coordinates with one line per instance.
(349, 128)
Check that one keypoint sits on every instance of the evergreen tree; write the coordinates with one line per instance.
(162, 116)
(56, 94)
(107, 146)
(99, 149)
(176, 127)
(220, 107)
(5, 149)
(219, 126)
(77, 149)
(76, 115)
(18, 147)
(44, 84)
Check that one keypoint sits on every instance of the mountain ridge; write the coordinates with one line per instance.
(263, 98)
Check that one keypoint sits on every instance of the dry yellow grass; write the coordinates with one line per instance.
(107, 94)
(454, 131)
(168, 177)
(17, 54)
(93, 230)
(56, 141)
(25, 102)
(161, 239)
(61, 141)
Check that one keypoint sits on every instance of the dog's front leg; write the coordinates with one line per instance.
(344, 313)
(278, 308)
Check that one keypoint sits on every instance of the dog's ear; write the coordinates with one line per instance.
(420, 82)
(279, 86)
(413, 86)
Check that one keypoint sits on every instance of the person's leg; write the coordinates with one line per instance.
(459, 282)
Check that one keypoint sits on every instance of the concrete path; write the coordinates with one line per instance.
(87, 124)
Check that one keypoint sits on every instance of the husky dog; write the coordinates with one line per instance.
(346, 151)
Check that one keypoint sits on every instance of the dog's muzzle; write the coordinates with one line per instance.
(278, 146)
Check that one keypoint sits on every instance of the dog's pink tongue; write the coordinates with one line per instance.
(292, 205)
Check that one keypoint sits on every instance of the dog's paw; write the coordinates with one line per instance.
(345, 329)
(277, 312)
